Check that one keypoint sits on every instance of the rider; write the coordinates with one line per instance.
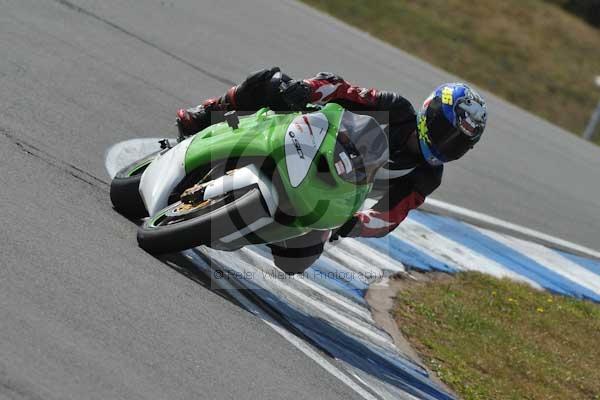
(448, 124)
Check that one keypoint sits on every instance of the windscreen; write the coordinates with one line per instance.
(361, 148)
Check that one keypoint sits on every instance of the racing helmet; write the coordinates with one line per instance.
(450, 122)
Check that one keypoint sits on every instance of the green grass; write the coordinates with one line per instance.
(497, 339)
(530, 52)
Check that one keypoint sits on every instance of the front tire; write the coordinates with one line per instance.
(181, 226)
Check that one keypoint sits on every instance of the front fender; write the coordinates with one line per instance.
(162, 176)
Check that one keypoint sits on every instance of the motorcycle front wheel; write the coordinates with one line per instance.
(183, 226)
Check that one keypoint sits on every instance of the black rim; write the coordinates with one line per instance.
(181, 212)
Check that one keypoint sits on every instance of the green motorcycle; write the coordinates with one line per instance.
(264, 178)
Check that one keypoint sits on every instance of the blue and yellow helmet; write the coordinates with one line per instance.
(450, 122)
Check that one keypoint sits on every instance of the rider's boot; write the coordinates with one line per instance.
(294, 256)
(192, 120)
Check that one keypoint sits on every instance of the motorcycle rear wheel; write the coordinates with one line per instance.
(126, 199)
(124, 189)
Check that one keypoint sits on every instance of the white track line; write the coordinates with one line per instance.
(319, 359)
(487, 221)
(550, 259)
(453, 253)
(352, 308)
(359, 256)
(330, 313)
(291, 338)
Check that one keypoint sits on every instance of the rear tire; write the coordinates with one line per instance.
(181, 230)
(125, 197)
(124, 189)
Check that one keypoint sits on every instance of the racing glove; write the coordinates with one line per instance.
(367, 223)
(373, 223)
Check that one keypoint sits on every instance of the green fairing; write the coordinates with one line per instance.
(320, 205)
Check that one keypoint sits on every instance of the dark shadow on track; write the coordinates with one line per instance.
(360, 355)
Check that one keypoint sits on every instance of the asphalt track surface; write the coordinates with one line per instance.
(83, 312)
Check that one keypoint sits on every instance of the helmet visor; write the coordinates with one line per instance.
(455, 145)
(470, 117)
(450, 142)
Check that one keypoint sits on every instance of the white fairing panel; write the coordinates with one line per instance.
(302, 141)
(240, 178)
(162, 176)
